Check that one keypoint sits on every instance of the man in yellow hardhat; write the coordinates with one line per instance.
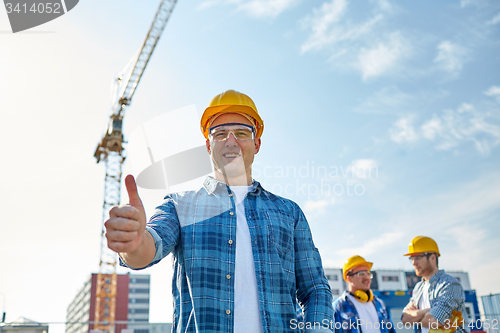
(358, 310)
(243, 257)
(438, 296)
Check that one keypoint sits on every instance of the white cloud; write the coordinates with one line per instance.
(482, 146)
(360, 45)
(431, 128)
(327, 28)
(316, 208)
(207, 4)
(450, 57)
(403, 131)
(315, 205)
(321, 25)
(494, 91)
(467, 124)
(384, 5)
(337, 55)
(494, 20)
(373, 245)
(266, 8)
(254, 8)
(452, 128)
(464, 3)
(382, 58)
(388, 100)
(364, 168)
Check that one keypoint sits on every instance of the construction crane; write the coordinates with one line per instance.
(110, 150)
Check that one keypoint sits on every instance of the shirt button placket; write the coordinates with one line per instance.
(230, 242)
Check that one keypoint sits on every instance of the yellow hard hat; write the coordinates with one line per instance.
(231, 101)
(422, 244)
(353, 262)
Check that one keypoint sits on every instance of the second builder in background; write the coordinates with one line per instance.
(438, 298)
(358, 310)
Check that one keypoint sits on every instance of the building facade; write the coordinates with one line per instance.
(491, 307)
(387, 280)
(132, 305)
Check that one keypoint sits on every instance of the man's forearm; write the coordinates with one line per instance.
(143, 255)
(429, 321)
(413, 316)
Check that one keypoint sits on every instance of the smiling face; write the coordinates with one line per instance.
(232, 159)
(355, 282)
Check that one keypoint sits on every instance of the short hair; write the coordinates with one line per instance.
(435, 254)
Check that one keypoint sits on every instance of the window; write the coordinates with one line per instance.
(141, 331)
(333, 277)
(138, 310)
(135, 280)
(139, 300)
(139, 291)
(390, 278)
(335, 292)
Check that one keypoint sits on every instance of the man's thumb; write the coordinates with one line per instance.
(133, 196)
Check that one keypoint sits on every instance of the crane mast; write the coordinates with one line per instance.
(110, 150)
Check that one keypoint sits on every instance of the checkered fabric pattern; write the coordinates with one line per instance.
(199, 229)
(346, 316)
(445, 295)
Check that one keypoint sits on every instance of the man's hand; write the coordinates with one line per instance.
(411, 306)
(127, 223)
(411, 314)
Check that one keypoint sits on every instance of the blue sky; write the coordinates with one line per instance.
(382, 123)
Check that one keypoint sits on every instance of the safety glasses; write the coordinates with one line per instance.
(362, 274)
(240, 132)
(418, 257)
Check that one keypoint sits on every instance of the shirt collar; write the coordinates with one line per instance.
(211, 184)
(436, 276)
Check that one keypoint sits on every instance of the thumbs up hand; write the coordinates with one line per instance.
(126, 225)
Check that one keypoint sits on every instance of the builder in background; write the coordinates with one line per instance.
(359, 311)
(437, 295)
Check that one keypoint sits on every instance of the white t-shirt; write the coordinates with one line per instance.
(368, 314)
(424, 302)
(246, 298)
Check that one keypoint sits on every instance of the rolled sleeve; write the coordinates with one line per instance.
(313, 291)
(157, 257)
(449, 299)
(165, 230)
(158, 244)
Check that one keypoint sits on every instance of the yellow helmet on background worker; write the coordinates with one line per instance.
(231, 101)
(353, 262)
(422, 244)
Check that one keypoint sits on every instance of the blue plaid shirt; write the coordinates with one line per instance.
(346, 316)
(199, 229)
(445, 295)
